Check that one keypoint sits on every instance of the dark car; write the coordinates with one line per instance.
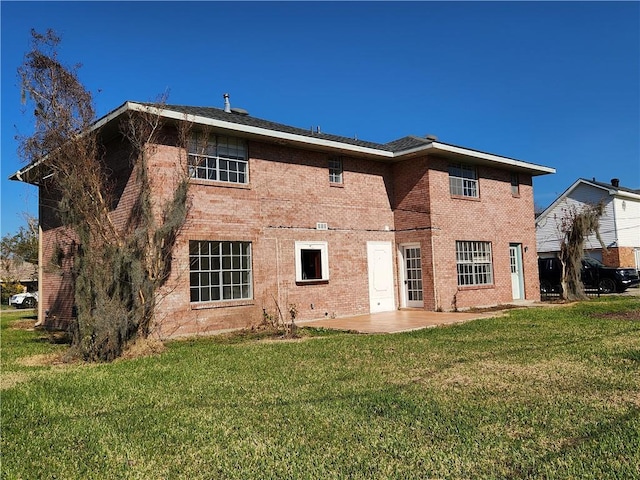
(594, 275)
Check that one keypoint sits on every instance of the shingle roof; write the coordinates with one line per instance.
(611, 187)
(241, 119)
(395, 149)
(406, 143)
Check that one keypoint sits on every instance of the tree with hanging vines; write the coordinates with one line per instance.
(117, 269)
(575, 226)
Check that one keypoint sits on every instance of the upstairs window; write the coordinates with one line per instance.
(473, 260)
(463, 181)
(223, 159)
(515, 185)
(335, 170)
(312, 262)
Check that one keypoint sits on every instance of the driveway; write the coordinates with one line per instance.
(396, 321)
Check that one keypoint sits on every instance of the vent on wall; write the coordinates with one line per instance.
(322, 226)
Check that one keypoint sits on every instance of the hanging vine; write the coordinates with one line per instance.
(117, 270)
(575, 226)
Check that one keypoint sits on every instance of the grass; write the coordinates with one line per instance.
(538, 393)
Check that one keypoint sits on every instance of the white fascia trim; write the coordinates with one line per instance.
(263, 131)
(443, 147)
(613, 191)
(633, 196)
(104, 120)
(564, 194)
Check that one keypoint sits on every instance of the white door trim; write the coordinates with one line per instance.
(516, 270)
(411, 286)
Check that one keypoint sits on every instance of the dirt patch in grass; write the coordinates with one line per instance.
(23, 325)
(146, 347)
(627, 315)
(42, 360)
(11, 379)
(495, 308)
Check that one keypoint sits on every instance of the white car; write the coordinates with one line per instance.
(24, 300)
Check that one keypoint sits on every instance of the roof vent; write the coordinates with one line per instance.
(239, 111)
(227, 104)
(615, 182)
(431, 137)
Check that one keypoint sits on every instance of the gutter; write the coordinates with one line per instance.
(285, 137)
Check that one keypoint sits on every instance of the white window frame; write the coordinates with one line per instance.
(220, 271)
(463, 181)
(335, 170)
(474, 263)
(219, 159)
(323, 248)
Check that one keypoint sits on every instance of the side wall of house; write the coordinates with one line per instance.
(627, 214)
(497, 217)
(57, 243)
(288, 194)
(412, 214)
(548, 229)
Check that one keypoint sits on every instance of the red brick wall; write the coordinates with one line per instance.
(619, 257)
(289, 192)
(497, 217)
(56, 283)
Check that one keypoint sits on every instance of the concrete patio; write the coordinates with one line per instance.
(397, 321)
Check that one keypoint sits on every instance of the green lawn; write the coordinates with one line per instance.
(539, 393)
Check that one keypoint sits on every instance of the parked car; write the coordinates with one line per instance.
(24, 300)
(594, 275)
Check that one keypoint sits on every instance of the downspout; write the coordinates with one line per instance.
(41, 318)
(436, 297)
(615, 229)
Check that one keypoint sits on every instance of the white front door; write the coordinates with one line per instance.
(637, 255)
(412, 259)
(515, 259)
(380, 262)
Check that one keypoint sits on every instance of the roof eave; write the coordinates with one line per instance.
(284, 137)
(443, 149)
(476, 156)
(22, 174)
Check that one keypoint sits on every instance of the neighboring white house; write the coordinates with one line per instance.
(619, 224)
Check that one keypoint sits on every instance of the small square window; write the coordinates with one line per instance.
(312, 261)
(335, 170)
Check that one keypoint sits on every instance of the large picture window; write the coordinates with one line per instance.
(474, 263)
(223, 159)
(220, 271)
(463, 181)
(312, 262)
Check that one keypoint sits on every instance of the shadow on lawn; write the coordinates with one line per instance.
(54, 337)
(598, 434)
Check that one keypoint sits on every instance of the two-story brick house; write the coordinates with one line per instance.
(333, 225)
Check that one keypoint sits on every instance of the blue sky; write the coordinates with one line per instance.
(552, 83)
